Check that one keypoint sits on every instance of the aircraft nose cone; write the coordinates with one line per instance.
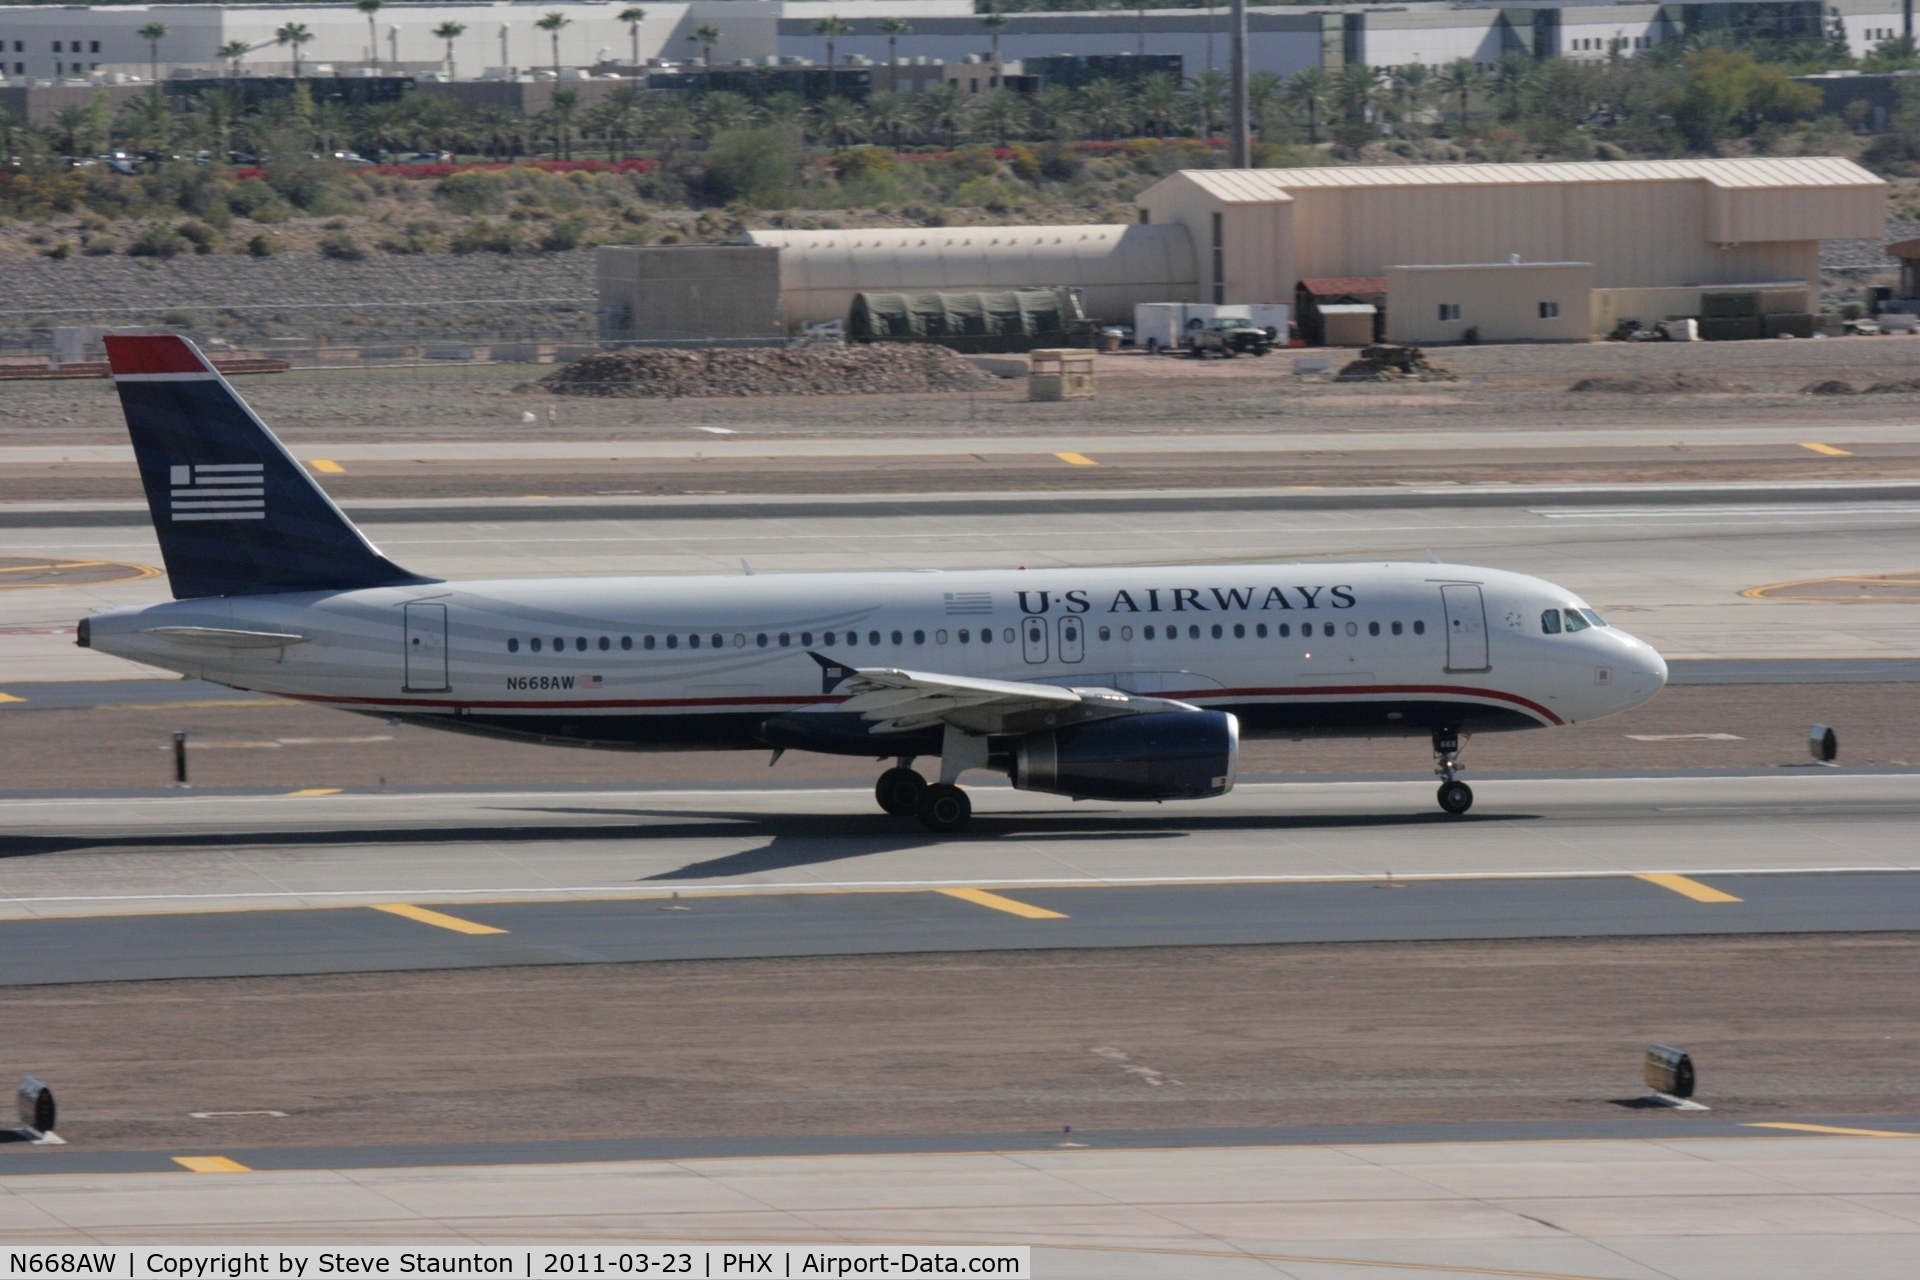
(1646, 671)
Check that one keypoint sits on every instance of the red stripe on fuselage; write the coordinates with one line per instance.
(1195, 695)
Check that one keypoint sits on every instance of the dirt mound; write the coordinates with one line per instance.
(1652, 384)
(1394, 364)
(1828, 387)
(880, 369)
(1904, 386)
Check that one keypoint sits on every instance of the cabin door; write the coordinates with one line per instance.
(426, 648)
(1466, 627)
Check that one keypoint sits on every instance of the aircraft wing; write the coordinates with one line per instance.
(896, 701)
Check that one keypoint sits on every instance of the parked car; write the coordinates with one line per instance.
(1227, 337)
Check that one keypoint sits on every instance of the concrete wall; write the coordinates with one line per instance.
(1502, 301)
(689, 292)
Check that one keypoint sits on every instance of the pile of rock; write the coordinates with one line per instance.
(1654, 384)
(879, 369)
(1394, 364)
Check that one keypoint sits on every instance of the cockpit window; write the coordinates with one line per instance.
(1575, 622)
(1593, 617)
(1550, 622)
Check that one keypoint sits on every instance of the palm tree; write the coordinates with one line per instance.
(1056, 112)
(1209, 93)
(1458, 79)
(723, 112)
(1004, 112)
(995, 23)
(1209, 6)
(1411, 85)
(1510, 78)
(835, 118)
(633, 16)
(153, 33)
(449, 31)
(706, 38)
(893, 29)
(889, 115)
(831, 29)
(221, 107)
(1104, 105)
(1307, 92)
(295, 34)
(943, 110)
(620, 117)
(560, 121)
(550, 24)
(370, 7)
(1356, 89)
(233, 51)
(69, 123)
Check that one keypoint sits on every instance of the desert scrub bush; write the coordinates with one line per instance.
(341, 246)
(565, 234)
(263, 246)
(158, 241)
(485, 236)
(202, 237)
(476, 191)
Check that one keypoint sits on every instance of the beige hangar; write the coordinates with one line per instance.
(1633, 225)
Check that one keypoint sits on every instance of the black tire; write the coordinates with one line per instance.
(1456, 797)
(898, 789)
(943, 808)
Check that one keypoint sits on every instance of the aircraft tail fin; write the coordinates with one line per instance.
(235, 513)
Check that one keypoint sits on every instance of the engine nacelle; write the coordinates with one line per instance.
(1169, 755)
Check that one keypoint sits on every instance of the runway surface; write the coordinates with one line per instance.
(98, 889)
(1680, 1208)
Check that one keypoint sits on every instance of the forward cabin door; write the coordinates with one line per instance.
(1466, 627)
(1033, 639)
(426, 648)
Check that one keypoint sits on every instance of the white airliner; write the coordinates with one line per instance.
(1112, 684)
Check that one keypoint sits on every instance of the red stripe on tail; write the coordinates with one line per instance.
(153, 353)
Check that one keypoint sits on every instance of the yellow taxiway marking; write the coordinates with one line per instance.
(327, 465)
(981, 898)
(316, 791)
(210, 1164)
(435, 918)
(1076, 459)
(7, 697)
(1827, 449)
(1687, 888)
(1828, 1128)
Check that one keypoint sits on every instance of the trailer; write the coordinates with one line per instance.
(1167, 326)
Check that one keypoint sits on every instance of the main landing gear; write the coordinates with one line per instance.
(941, 807)
(1455, 797)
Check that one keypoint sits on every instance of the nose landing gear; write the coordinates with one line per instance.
(1455, 797)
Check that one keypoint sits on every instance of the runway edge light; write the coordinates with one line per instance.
(36, 1111)
(1669, 1073)
(1823, 744)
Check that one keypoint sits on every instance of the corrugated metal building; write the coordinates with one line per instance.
(1115, 266)
(1642, 224)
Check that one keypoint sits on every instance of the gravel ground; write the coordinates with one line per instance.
(991, 1042)
(382, 298)
(241, 746)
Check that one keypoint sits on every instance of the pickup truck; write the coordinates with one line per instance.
(1227, 338)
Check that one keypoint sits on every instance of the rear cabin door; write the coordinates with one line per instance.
(426, 648)
(1073, 639)
(1466, 627)
(1033, 639)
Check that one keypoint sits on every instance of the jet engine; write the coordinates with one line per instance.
(1168, 755)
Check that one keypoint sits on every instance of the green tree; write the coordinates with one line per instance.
(1307, 92)
(1512, 76)
(893, 29)
(69, 126)
(620, 118)
(706, 37)
(369, 8)
(153, 33)
(633, 16)
(295, 34)
(831, 29)
(449, 32)
(1459, 80)
(221, 107)
(1208, 95)
(1004, 113)
(562, 118)
(995, 23)
(551, 24)
(1728, 91)
(889, 116)
(757, 168)
(233, 51)
(943, 112)
(836, 118)
(722, 112)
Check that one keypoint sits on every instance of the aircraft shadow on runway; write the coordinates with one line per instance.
(794, 840)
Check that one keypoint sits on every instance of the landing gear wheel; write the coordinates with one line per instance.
(943, 808)
(1456, 797)
(898, 789)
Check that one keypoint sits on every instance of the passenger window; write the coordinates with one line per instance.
(873, 637)
(1193, 632)
(534, 644)
(826, 640)
(1353, 628)
(559, 644)
(605, 644)
(1261, 631)
(1216, 631)
(1148, 631)
(806, 638)
(513, 646)
(693, 642)
(1575, 622)
(761, 639)
(919, 637)
(1419, 627)
(939, 637)
(1239, 631)
(896, 637)
(626, 642)
(673, 642)
(1284, 630)
(1550, 622)
(716, 642)
(646, 642)
(986, 635)
(1396, 628)
(740, 641)
(580, 643)
(1373, 628)
(1006, 633)
(1326, 628)
(1126, 633)
(965, 635)
(1106, 634)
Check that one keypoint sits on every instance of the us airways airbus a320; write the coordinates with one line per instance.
(1111, 684)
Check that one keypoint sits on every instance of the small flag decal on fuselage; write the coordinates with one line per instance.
(219, 491)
